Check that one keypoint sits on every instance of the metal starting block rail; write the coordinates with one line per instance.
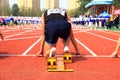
(56, 70)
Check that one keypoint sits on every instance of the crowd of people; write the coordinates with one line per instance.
(106, 22)
(8, 20)
(89, 21)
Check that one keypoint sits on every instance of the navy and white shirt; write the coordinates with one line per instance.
(54, 14)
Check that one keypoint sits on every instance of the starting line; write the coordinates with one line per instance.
(79, 56)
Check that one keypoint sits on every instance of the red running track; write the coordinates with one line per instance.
(18, 60)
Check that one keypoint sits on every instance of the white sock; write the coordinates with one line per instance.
(52, 51)
(66, 49)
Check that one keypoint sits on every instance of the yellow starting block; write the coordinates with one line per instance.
(60, 67)
(67, 57)
(52, 63)
(56, 70)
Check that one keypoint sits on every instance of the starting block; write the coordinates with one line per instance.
(58, 67)
(52, 63)
(68, 57)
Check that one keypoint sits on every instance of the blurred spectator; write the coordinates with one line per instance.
(116, 21)
(1, 36)
(0, 20)
(111, 21)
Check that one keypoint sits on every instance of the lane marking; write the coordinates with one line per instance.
(10, 55)
(101, 36)
(26, 34)
(30, 34)
(31, 47)
(18, 34)
(32, 55)
(98, 56)
(4, 31)
(110, 33)
(86, 47)
(22, 38)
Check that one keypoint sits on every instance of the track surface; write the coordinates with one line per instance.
(18, 60)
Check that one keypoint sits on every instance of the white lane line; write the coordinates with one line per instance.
(32, 55)
(31, 47)
(101, 36)
(33, 33)
(22, 38)
(17, 34)
(110, 33)
(4, 31)
(29, 34)
(98, 56)
(86, 47)
(4, 55)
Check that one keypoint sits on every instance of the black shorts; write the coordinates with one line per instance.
(55, 29)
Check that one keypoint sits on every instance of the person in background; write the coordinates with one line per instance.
(111, 20)
(1, 20)
(56, 24)
(1, 36)
(0, 31)
(115, 52)
(116, 21)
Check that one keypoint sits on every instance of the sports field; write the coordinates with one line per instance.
(18, 60)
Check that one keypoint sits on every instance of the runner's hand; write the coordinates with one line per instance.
(39, 53)
(78, 53)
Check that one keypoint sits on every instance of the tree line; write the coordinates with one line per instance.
(15, 11)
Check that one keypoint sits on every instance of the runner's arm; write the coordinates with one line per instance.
(115, 52)
(43, 37)
(72, 37)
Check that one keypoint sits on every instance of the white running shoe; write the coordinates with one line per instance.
(66, 49)
(52, 52)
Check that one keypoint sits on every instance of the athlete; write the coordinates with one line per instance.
(115, 52)
(56, 24)
(1, 22)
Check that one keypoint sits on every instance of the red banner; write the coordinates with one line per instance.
(117, 11)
